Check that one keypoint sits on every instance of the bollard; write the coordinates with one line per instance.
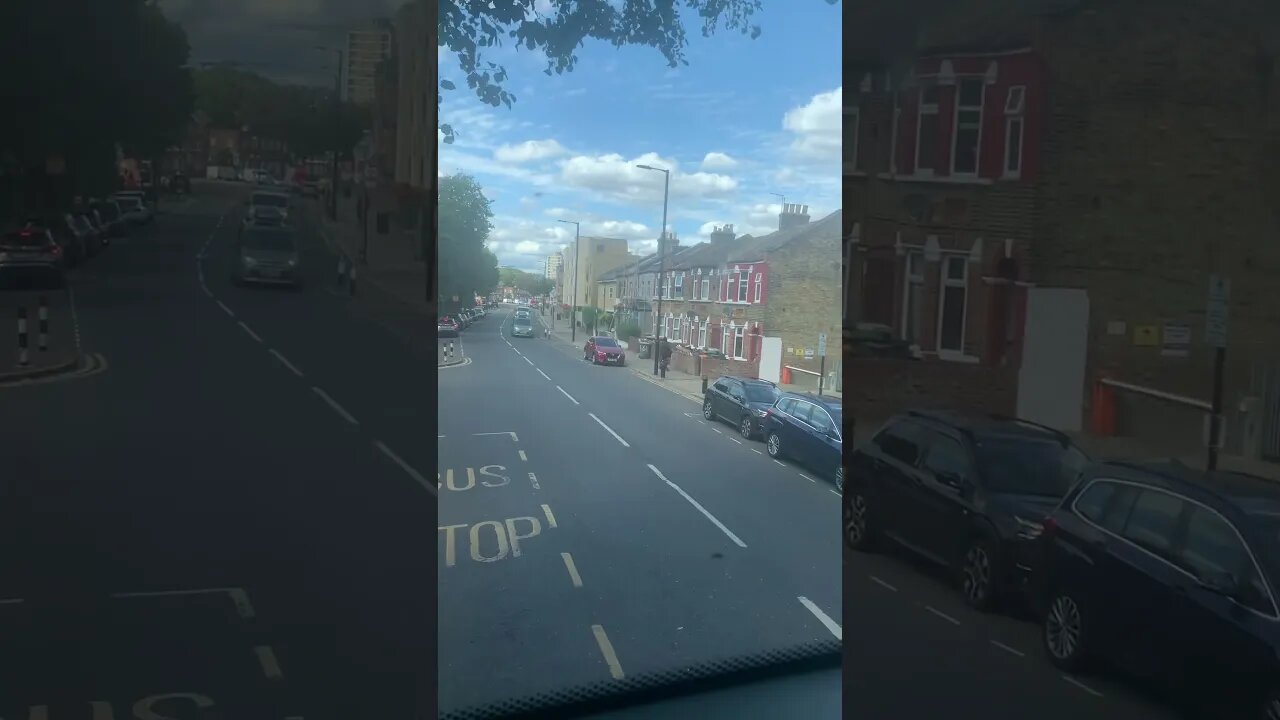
(43, 338)
(342, 270)
(704, 384)
(22, 337)
(352, 284)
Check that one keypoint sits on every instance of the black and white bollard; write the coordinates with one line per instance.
(22, 337)
(42, 340)
(352, 284)
(448, 351)
(342, 269)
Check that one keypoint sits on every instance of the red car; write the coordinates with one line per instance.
(604, 350)
(448, 326)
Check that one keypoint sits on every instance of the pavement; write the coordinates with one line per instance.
(680, 383)
(222, 519)
(594, 528)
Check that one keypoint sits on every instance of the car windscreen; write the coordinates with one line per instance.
(269, 200)
(1028, 466)
(762, 393)
(605, 342)
(521, 322)
(260, 240)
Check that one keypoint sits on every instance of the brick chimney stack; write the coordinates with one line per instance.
(793, 215)
(722, 233)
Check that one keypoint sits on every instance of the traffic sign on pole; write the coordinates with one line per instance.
(822, 344)
(1216, 311)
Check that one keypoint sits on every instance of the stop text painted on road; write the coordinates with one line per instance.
(451, 483)
(148, 708)
(490, 540)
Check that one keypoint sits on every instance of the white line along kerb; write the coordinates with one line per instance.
(615, 435)
(334, 404)
(737, 541)
(405, 466)
(831, 625)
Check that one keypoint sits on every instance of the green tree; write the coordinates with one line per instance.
(468, 28)
(96, 72)
(466, 266)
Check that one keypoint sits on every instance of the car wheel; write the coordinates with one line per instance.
(978, 575)
(1065, 632)
(746, 427)
(857, 533)
(707, 411)
(774, 445)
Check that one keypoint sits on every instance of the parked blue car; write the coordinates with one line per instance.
(808, 429)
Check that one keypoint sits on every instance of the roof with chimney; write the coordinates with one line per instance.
(758, 248)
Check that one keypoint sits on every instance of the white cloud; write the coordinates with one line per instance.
(528, 151)
(618, 178)
(718, 161)
(816, 126)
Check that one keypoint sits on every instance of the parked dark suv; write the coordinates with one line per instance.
(1171, 572)
(741, 401)
(967, 491)
(809, 429)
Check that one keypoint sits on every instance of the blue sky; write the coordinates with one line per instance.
(745, 118)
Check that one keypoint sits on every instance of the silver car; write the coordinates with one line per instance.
(267, 204)
(267, 255)
(133, 208)
(522, 327)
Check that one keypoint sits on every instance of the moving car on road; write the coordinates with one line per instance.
(806, 428)
(1169, 572)
(741, 401)
(133, 207)
(95, 231)
(967, 491)
(267, 254)
(448, 326)
(267, 203)
(522, 327)
(604, 350)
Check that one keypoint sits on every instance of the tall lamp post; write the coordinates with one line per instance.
(662, 242)
(337, 122)
(573, 318)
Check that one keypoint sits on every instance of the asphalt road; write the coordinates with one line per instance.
(914, 649)
(213, 524)
(593, 527)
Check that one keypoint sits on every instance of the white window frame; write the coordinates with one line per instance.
(759, 283)
(702, 335)
(910, 279)
(1014, 114)
(739, 337)
(744, 283)
(922, 109)
(955, 126)
(945, 282)
(704, 288)
(678, 285)
(726, 335)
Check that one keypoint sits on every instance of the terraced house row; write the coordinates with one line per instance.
(760, 302)
(1037, 195)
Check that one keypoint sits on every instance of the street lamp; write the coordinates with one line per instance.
(337, 121)
(662, 241)
(573, 318)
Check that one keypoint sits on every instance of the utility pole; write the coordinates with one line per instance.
(662, 247)
(573, 317)
(337, 136)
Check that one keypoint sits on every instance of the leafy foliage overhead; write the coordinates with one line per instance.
(532, 283)
(468, 28)
(302, 116)
(92, 73)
